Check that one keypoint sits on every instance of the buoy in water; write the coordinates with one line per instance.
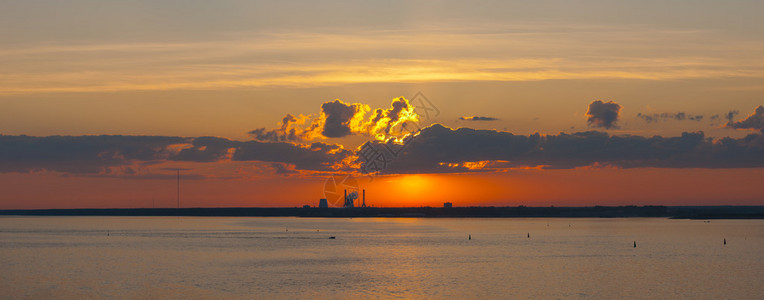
(470, 237)
(635, 244)
(725, 241)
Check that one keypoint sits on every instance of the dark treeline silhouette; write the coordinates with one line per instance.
(679, 212)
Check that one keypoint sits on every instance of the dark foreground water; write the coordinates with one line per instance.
(185, 257)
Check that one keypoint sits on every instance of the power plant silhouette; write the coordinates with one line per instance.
(349, 200)
(352, 196)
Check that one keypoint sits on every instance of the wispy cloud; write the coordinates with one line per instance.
(478, 118)
(521, 52)
(679, 116)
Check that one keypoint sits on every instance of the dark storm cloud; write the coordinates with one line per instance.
(603, 114)
(440, 149)
(204, 149)
(754, 121)
(316, 156)
(149, 176)
(680, 116)
(334, 121)
(718, 119)
(338, 116)
(730, 116)
(80, 154)
(283, 169)
(98, 154)
(283, 134)
(477, 118)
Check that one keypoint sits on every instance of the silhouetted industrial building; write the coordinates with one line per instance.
(448, 205)
(352, 196)
(349, 199)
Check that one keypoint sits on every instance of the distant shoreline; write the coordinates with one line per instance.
(675, 212)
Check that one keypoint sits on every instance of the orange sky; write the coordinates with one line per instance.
(576, 187)
(260, 101)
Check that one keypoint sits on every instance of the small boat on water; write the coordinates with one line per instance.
(331, 237)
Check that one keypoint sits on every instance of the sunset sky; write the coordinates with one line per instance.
(537, 103)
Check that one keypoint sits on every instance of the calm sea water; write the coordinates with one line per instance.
(186, 257)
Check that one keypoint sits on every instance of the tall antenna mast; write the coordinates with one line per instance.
(178, 187)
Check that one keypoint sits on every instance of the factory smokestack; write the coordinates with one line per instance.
(364, 198)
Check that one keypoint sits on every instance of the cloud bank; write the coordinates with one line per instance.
(440, 149)
(96, 154)
(432, 149)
